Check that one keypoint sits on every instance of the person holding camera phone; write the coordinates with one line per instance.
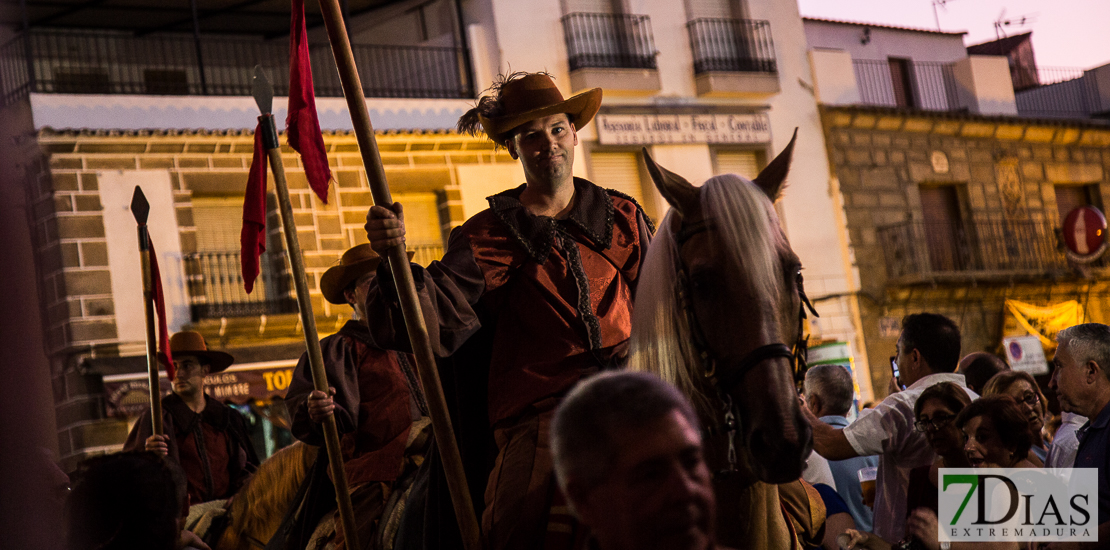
(928, 350)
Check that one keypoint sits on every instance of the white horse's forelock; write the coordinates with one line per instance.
(661, 339)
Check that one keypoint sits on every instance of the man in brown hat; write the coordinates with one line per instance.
(532, 295)
(206, 438)
(373, 394)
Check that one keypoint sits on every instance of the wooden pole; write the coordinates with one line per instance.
(312, 338)
(402, 276)
(140, 208)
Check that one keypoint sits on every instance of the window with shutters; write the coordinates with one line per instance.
(215, 269)
(744, 163)
(709, 9)
(423, 233)
(620, 171)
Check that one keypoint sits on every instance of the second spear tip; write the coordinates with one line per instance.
(140, 208)
(262, 90)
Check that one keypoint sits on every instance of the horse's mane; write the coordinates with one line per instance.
(268, 493)
(661, 339)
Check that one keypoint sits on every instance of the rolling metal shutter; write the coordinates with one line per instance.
(714, 9)
(219, 221)
(745, 163)
(618, 171)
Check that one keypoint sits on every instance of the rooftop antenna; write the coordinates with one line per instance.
(1019, 21)
(939, 3)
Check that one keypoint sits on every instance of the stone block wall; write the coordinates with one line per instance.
(71, 246)
(1003, 167)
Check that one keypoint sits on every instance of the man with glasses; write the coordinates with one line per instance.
(206, 438)
(927, 353)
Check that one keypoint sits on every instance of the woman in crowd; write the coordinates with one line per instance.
(1023, 388)
(935, 411)
(996, 432)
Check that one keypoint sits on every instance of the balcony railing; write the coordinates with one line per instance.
(738, 45)
(924, 86)
(216, 284)
(112, 63)
(605, 40)
(984, 249)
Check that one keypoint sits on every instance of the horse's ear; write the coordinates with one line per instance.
(772, 178)
(680, 194)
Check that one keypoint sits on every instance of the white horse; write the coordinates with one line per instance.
(718, 313)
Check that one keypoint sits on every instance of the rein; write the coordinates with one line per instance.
(725, 381)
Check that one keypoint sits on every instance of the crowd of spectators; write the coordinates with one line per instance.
(616, 426)
(972, 413)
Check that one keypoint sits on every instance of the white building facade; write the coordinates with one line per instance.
(100, 103)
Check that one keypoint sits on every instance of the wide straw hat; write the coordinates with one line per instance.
(535, 96)
(192, 343)
(355, 263)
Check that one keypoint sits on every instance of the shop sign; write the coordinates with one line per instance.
(128, 394)
(654, 129)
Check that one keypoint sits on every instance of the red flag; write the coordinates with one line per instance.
(160, 308)
(302, 126)
(252, 239)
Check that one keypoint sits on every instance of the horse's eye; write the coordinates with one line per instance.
(798, 277)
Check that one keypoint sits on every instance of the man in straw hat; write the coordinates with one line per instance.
(373, 394)
(532, 295)
(206, 438)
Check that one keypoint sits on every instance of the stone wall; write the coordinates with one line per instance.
(67, 223)
(1003, 167)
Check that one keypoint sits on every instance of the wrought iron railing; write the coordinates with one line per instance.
(47, 61)
(216, 285)
(980, 249)
(739, 45)
(606, 40)
(924, 86)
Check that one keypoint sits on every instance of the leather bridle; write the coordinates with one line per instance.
(725, 381)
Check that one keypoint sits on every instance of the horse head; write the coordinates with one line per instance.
(718, 308)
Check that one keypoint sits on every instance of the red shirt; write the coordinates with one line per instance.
(546, 300)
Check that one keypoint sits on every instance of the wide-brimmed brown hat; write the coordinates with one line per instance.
(535, 96)
(192, 343)
(355, 263)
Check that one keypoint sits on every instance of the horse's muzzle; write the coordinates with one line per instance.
(779, 455)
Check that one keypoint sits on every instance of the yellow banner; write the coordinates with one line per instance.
(1044, 321)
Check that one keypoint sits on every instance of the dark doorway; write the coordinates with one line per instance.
(901, 77)
(944, 232)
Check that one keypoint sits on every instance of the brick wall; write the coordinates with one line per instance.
(1004, 168)
(69, 234)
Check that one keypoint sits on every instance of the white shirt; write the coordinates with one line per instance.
(887, 431)
(1061, 453)
(818, 471)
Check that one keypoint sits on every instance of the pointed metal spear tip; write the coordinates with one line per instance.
(262, 90)
(139, 206)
